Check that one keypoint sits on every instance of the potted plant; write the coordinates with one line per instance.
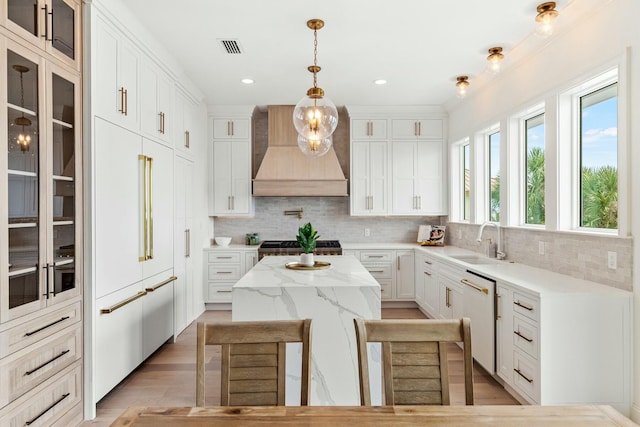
(307, 238)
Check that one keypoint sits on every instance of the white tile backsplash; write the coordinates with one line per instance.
(579, 255)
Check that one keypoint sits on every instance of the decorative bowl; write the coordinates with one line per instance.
(223, 241)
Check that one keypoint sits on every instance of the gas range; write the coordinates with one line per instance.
(291, 247)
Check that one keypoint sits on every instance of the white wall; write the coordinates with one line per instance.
(576, 52)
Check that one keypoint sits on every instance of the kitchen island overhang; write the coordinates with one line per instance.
(332, 298)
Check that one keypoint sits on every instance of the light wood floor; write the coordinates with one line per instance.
(167, 378)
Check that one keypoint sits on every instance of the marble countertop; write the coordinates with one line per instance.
(345, 271)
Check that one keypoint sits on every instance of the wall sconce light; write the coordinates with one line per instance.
(462, 84)
(315, 117)
(495, 58)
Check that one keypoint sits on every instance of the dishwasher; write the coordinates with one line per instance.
(479, 306)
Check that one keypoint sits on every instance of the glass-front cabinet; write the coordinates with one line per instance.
(42, 188)
(52, 25)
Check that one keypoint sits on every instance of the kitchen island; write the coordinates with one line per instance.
(332, 297)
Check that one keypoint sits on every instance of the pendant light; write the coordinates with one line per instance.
(314, 147)
(315, 117)
(23, 139)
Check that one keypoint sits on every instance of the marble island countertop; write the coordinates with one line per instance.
(345, 271)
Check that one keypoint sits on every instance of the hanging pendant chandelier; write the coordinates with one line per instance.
(315, 117)
(23, 139)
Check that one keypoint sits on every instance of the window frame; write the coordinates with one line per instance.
(531, 113)
(457, 183)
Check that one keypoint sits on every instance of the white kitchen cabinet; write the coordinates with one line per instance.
(156, 102)
(142, 243)
(231, 128)
(369, 178)
(114, 69)
(183, 243)
(53, 26)
(184, 123)
(418, 178)
(558, 348)
(364, 129)
(223, 268)
(231, 185)
(450, 293)
(157, 315)
(427, 290)
(405, 279)
(417, 129)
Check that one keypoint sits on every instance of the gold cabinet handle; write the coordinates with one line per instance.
(419, 128)
(232, 129)
(122, 303)
(126, 102)
(497, 305)
(447, 303)
(187, 142)
(161, 130)
(187, 243)
(123, 100)
(474, 286)
(147, 215)
(161, 284)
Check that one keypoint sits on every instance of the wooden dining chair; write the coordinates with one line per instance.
(414, 359)
(254, 360)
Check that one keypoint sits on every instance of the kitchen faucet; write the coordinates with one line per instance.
(499, 253)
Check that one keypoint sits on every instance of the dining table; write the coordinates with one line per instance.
(378, 416)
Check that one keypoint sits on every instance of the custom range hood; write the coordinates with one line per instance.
(286, 171)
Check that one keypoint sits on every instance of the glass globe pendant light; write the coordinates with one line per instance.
(314, 147)
(315, 117)
(23, 138)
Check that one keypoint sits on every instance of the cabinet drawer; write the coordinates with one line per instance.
(37, 329)
(224, 272)
(220, 292)
(376, 256)
(386, 289)
(525, 376)
(526, 305)
(224, 257)
(29, 367)
(525, 337)
(47, 403)
(379, 271)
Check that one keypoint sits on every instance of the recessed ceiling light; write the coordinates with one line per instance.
(380, 82)
(247, 81)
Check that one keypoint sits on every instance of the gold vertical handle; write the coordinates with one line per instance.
(228, 128)
(419, 128)
(447, 298)
(398, 260)
(233, 131)
(187, 136)
(419, 202)
(187, 243)
(161, 130)
(123, 100)
(144, 225)
(497, 305)
(150, 197)
(126, 102)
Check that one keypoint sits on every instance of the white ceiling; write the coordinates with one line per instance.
(419, 46)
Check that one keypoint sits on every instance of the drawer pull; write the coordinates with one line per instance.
(46, 363)
(376, 271)
(375, 256)
(474, 286)
(159, 285)
(62, 319)
(428, 262)
(523, 337)
(223, 257)
(522, 375)
(33, 420)
(122, 303)
(224, 292)
(519, 304)
(427, 273)
(224, 272)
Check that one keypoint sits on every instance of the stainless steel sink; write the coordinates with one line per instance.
(474, 259)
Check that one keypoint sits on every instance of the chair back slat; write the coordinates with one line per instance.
(414, 359)
(253, 360)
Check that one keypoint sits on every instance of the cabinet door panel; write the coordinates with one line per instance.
(128, 70)
(149, 114)
(221, 177)
(429, 177)
(157, 318)
(241, 176)
(405, 286)
(105, 96)
(404, 196)
(359, 178)
(116, 207)
(378, 176)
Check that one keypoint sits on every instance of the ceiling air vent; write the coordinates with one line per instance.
(231, 46)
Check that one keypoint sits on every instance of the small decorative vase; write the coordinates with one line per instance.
(307, 259)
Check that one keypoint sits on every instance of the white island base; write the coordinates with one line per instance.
(332, 298)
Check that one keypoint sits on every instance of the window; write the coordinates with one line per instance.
(534, 166)
(598, 158)
(494, 177)
(466, 202)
